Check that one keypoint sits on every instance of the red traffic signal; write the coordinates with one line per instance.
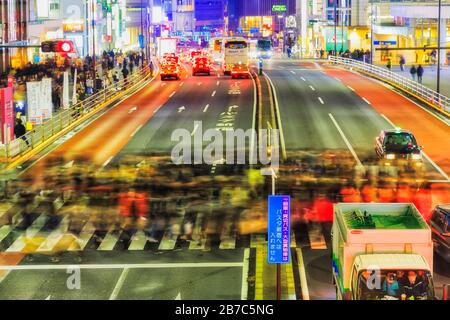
(59, 46)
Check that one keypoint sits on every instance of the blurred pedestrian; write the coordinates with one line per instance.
(420, 72)
(20, 131)
(413, 72)
(402, 63)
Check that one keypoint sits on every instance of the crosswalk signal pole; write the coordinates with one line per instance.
(278, 265)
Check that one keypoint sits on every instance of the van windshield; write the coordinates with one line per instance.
(395, 285)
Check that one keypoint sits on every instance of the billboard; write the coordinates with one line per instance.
(6, 114)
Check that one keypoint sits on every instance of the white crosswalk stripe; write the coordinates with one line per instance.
(109, 241)
(30, 233)
(138, 241)
(316, 237)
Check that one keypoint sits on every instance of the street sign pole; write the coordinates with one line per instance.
(278, 232)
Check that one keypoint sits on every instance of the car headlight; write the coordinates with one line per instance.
(416, 156)
(390, 156)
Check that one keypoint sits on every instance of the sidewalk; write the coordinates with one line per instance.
(429, 76)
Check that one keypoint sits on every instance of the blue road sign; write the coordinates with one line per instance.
(279, 221)
(384, 43)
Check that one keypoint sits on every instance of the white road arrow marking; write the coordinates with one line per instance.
(132, 110)
(178, 297)
(49, 297)
(232, 107)
(181, 109)
(68, 165)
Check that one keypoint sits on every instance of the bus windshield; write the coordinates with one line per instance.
(395, 285)
(236, 45)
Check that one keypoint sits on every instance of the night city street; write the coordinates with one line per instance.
(224, 150)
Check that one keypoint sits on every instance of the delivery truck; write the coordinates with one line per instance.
(381, 251)
(166, 46)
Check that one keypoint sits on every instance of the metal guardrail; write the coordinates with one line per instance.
(65, 118)
(438, 101)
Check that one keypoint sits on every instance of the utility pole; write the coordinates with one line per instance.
(371, 31)
(438, 87)
(335, 27)
(93, 39)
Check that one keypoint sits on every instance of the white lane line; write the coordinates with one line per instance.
(349, 146)
(214, 93)
(367, 101)
(218, 83)
(206, 108)
(338, 79)
(439, 169)
(157, 109)
(303, 79)
(181, 84)
(351, 88)
(163, 84)
(312, 88)
(124, 265)
(253, 138)
(321, 101)
(172, 94)
(246, 262)
(119, 284)
(199, 84)
(195, 129)
(292, 71)
(107, 161)
(302, 273)
(135, 131)
(277, 107)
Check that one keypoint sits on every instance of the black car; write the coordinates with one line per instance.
(398, 147)
(440, 226)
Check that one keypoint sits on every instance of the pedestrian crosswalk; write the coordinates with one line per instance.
(38, 238)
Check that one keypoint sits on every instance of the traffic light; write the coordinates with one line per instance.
(63, 47)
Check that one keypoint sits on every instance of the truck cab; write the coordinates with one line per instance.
(381, 251)
(440, 226)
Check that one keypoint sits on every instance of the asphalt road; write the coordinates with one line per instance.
(327, 110)
(136, 276)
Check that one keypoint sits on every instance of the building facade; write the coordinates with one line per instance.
(13, 32)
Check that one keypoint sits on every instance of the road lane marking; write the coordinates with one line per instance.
(277, 107)
(245, 269)
(163, 84)
(157, 109)
(218, 83)
(172, 94)
(321, 101)
(312, 88)
(292, 71)
(29, 233)
(107, 161)
(253, 138)
(109, 241)
(182, 84)
(302, 274)
(135, 131)
(124, 265)
(351, 88)
(119, 284)
(367, 101)
(195, 129)
(349, 146)
(138, 241)
(316, 238)
(213, 94)
(303, 79)
(133, 109)
(206, 108)
(439, 169)
(200, 83)
(181, 109)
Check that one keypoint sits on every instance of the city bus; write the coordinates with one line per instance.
(236, 51)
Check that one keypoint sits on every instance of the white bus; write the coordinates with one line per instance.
(236, 51)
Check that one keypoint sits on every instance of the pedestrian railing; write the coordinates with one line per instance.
(409, 86)
(67, 119)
